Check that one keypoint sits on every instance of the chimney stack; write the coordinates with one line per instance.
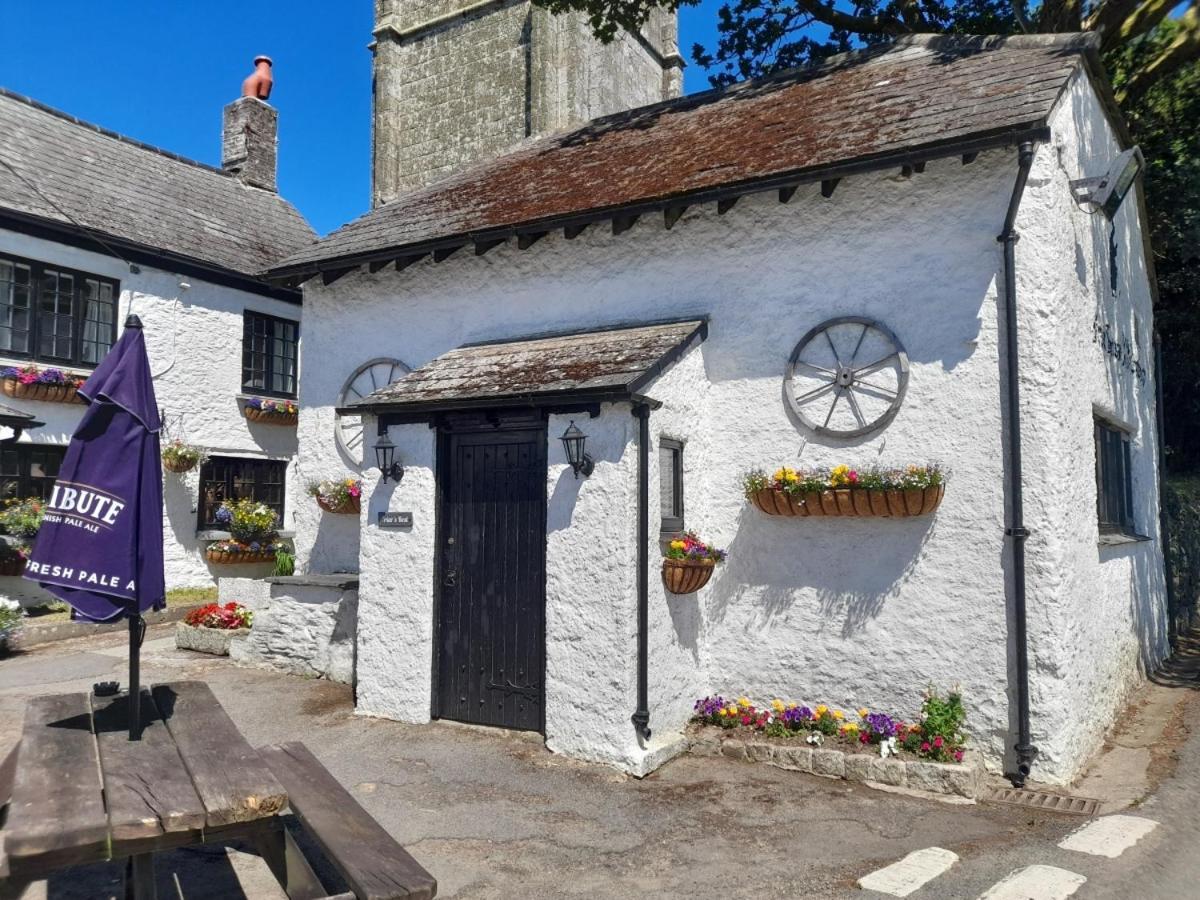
(249, 144)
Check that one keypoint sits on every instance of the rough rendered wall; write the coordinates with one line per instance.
(1097, 613)
(853, 611)
(471, 88)
(194, 338)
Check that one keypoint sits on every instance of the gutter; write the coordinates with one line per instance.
(641, 715)
(1016, 531)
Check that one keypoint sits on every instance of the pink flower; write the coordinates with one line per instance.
(852, 477)
(27, 378)
(938, 741)
(958, 755)
(925, 747)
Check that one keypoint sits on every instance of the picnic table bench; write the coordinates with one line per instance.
(78, 791)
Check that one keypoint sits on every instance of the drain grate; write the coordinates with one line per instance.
(1074, 806)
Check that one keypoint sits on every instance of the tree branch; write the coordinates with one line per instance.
(1108, 15)
(1182, 50)
(823, 12)
(1142, 19)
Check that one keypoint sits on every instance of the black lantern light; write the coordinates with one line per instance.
(385, 458)
(574, 441)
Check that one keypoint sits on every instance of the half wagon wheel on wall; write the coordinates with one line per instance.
(847, 377)
(369, 377)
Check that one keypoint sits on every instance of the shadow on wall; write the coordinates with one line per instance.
(179, 497)
(1147, 611)
(686, 619)
(852, 566)
(336, 544)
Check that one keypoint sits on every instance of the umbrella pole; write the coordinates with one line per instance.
(135, 677)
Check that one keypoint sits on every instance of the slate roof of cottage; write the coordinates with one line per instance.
(17, 418)
(592, 366)
(919, 98)
(58, 170)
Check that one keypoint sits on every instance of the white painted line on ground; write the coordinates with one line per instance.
(1110, 836)
(1036, 883)
(903, 877)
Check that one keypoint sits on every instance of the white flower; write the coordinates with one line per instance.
(816, 738)
(888, 748)
(7, 603)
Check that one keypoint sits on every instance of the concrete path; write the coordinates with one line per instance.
(495, 815)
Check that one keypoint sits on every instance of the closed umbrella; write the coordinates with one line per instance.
(100, 546)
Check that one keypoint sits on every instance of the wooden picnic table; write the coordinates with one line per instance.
(82, 792)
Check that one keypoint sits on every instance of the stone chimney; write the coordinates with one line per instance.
(249, 143)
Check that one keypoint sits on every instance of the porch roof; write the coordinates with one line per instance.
(574, 369)
(16, 418)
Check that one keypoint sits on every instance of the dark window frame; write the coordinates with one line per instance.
(268, 368)
(23, 477)
(1114, 479)
(37, 271)
(674, 523)
(231, 466)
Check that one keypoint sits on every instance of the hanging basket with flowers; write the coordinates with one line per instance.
(252, 528)
(179, 457)
(271, 412)
(341, 497)
(842, 491)
(689, 564)
(49, 385)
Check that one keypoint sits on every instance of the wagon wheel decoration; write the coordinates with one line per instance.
(847, 377)
(368, 377)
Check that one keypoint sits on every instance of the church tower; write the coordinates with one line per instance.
(456, 81)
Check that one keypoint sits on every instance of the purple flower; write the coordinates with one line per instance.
(881, 726)
(223, 516)
(255, 403)
(255, 546)
(9, 372)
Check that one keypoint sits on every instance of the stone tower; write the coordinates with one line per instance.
(460, 80)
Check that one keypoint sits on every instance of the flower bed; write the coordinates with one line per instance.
(179, 457)
(212, 628)
(21, 518)
(689, 564)
(842, 491)
(342, 497)
(868, 746)
(230, 617)
(35, 383)
(270, 412)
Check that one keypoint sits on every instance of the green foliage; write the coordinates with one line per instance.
(10, 619)
(1182, 501)
(285, 563)
(182, 596)
(21, 518)
(943, 716)
(248, 520)
(181, 454)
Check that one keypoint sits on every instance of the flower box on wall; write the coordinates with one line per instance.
(351, 507)
(179, 457)
(231, 553)
(686, 576)
(340, 497)
(47, 385)
(271, 412)
(844, 492)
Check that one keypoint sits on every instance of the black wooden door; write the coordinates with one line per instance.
(492, 571)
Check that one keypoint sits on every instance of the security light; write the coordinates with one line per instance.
(385, 458)
(1105, 192)
(574, 441)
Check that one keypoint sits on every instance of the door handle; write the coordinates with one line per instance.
(450, 578)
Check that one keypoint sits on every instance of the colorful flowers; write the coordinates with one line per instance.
(248, 520)
(180, 457)
(842, 476)
(21, 518)
(336, 494)
(229, 617)
(32, 374)
(282, 407)
(689, 546)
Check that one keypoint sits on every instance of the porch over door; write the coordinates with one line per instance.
(491, 610)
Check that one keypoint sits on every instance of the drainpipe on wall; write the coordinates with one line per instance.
(1016, 530)
(641, 716)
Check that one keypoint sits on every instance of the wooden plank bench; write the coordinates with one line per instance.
(368, 858)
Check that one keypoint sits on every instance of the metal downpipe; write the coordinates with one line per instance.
(641, 716)
(1016, 531)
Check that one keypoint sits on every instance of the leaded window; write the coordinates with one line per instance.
(269, 354)
(234, 478)
(1114, 480)
(670, 484)
(28, 470)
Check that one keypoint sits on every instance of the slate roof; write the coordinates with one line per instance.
(609, 365)
(133, 193)
(919, 98)
(17, 418)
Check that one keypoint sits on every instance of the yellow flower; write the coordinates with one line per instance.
(850, 728)
(840, 475)
(733, 710)
(724, 711)
(744, 702)
(777, 705)
(677, 545)
(822, 709)
(838, 714)
(792, 705)
(862, 713)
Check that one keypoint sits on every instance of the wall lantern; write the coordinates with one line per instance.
(574, 441)
(1104, 193)
(385, 458)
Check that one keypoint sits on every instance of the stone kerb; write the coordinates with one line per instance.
(963, 780)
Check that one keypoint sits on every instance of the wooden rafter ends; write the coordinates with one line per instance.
(443, 253)
(828, 186)
(672, 214)
(786, 193)
(527, 240)
(570, 232)
(405, 261)
(482, 247)
(728, 203)
(968, 158)
(378, 264)
(621, 224)
(329, 276)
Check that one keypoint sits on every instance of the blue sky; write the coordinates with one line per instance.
(161, 72)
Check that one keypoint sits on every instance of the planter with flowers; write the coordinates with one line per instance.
(842, 491)
(21, 519)
(342, 496)
(689, 564)
(179, 457)
(211, 628)
(252, 528)
(270, 412)
(35, 383)
(13, 558)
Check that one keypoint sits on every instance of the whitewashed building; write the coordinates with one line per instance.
(94, 226)
(649, 277)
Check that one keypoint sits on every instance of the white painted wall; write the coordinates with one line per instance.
(194, 338)
(853, 612)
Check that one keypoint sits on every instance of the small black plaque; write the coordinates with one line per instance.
(395, 520)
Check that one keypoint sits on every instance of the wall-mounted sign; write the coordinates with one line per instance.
(1119, 347)
(395, 520)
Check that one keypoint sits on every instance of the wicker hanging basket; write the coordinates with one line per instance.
(270, 416)
(178, 466)
(686, 576)
(851, 502)
(351, 507)
(47, 393)
(223, 557)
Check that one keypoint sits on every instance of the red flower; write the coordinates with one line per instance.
(746, 720)
(925, 747)
(938, 741)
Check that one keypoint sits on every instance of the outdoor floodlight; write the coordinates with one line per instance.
(385, 458)
(574, 442)
(1105, 192)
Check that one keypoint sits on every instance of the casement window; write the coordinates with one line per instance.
(54, 315)
(29, 470)
(269, 354)
(670, 484)
(232, 478)
(1114, 480)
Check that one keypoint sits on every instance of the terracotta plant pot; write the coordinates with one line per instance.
(270, 416)
(851, 502)
(179, 466)
(686, 576)
(13, 567)
(237, 557)
(350, 507)
(47, 393)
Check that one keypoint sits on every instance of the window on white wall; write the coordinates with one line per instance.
(670, 484)
(269, 352)
(1114, 480)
